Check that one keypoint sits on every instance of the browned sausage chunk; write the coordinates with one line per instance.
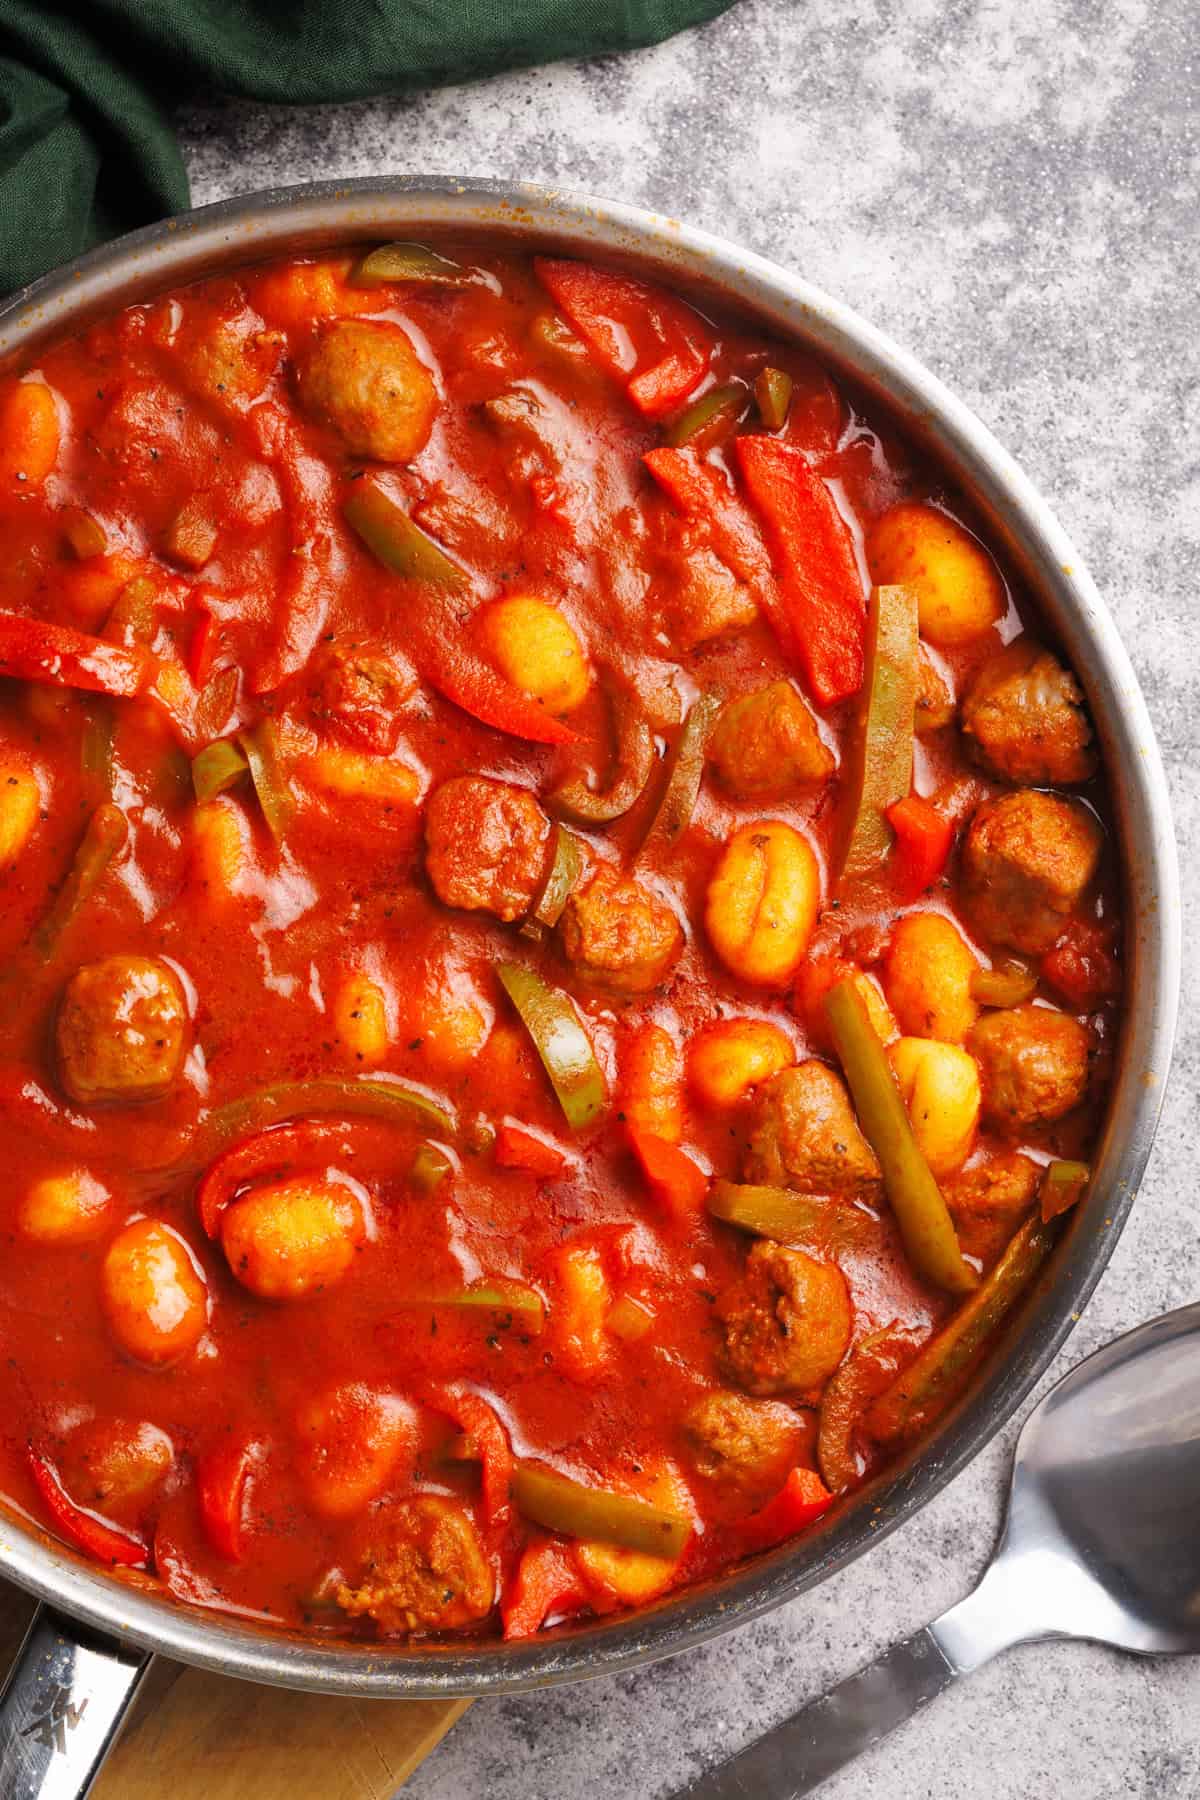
(787, 1323)
(122, 1030)
(709, 600)
(766, 745)
(424, 1569)
(804, 1135)
(1027, 860)
(988, 1202)
(485, 845)
(1024, 715)
(1033, 1065)
(617, 934)
(364, 378)
(742, 1444)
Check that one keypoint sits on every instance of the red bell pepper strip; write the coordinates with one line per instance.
(517, 1149)
(221, 1483)
(81, 1527)
(923, 843)
(463, 677)
(546, 1581)
(634, 329)
(480, 1423)
(202, 648)
(285, 1147)
(32, 650)
(315, 562)
(802, 1498)
(819, 581)
(672, 1177)
(701, 492)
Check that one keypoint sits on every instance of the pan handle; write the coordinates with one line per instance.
(62, 1707)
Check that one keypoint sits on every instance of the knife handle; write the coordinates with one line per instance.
(802, 1752)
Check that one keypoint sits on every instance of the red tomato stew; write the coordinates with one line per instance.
(561, 942)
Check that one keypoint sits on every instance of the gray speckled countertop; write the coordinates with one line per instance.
(1009, 187)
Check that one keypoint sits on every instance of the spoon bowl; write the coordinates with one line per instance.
(1107, 1474)
(1099, 1543)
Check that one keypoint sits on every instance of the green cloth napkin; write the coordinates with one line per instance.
(87, 86)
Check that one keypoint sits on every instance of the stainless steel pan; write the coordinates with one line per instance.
(94, 1636)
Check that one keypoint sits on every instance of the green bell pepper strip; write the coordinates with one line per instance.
(85, 535)
(793, 1218)
(559, 1504)
(216, 768)
(1006, 984)
(260, 747)
(718, 410)
(685, 771)
(513, 1297)
(921, 1213)
(133, 616)
(398, 543)
(365, 1095)
(878, 767)
(96, 751)
(1062, 1187)
(773, 395)
(629, 1318)
(566, 866)
(870, 1368)
(936, 1375)
(104, 837)
(407, 262)
(429, 1168)
(633, 764)
(549, 1017)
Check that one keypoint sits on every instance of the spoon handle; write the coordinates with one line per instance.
(802, 1752)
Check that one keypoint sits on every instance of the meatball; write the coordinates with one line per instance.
(804, 1135)
(424, 1569)
(486, 845)
(360, 691)
(1033, 1065)
(1027, 860)
(742, 1444)
(232, 358)
(153, 1292)
(766, 745)
(988, 1202)
(1024, 717)
(364, 378)
(122, 1030)
(288, 1239)
(787, 1323)
(617, 934)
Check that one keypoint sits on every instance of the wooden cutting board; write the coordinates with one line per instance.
(197, 1736)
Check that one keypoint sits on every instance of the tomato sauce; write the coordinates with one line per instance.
(329, 1397)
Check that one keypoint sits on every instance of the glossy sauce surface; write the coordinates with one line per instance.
(323, 949)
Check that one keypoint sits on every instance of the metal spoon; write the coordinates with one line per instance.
(1100, 1543)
